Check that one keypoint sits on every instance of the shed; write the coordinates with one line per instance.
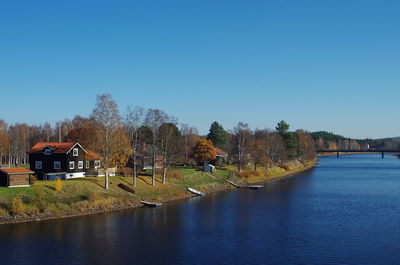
(221, 157)
(15, 177)
(209, 168)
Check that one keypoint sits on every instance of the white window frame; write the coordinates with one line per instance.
(57, 165)
(38, 165)
(72, 165)
(80, 164)
(75, 152)
(47, 151)
(87, 164)
(96, 164)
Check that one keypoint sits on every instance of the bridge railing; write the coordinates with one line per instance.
(359, 151)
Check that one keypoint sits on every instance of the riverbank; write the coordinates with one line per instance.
(340, 153)
(87, 196)
(348, 153)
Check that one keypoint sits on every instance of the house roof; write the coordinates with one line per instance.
(58, 148)
(16, 170)
(220, 152)
(91, 155)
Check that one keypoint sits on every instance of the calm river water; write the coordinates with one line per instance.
(346, 211)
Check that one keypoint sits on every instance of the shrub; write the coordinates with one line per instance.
(4, 212)
(17, 206)
(82, 206)
(285, 167)
(246, 173)
(175, 174)
(31, 210)
(93, 196)
(57, 208)
(39, 199)
(58, 185)
(32, 179)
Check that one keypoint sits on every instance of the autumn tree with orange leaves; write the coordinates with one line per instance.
(121, 150)
(203, 151)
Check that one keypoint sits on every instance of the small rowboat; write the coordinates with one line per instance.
(197, 192)
(151, 204)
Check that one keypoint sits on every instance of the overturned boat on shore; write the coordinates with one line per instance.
(151, 204)
(197, 192)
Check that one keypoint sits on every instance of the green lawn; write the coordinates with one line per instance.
(7, 193)
(195, 178)
(85, 194)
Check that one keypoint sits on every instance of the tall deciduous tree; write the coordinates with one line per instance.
(134, 122)
(4, 141)
(305, 146)
(190, 137)
(203, 151)
(242, 136)
(259, 148)
(170, 145)
(217, 135)
(47, 132)
(121, 149)
(154, 119)
(87, 136)
(276, 150)
(107, 116)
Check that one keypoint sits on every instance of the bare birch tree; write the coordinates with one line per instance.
(276, 150)
(154, 119)
(4, 141)
(134, 122)
(47, 132)
(242, 135)
(169, 144)
(107, 116)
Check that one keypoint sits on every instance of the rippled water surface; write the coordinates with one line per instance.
(346, 211)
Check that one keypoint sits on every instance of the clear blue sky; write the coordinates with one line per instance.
(319, 65)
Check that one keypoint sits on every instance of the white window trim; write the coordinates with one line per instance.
(80, 164)
(38, 165)
(57, 163)
(96, 164)
(47, 151)
(87, 164)
(72, 165)
(75, 152)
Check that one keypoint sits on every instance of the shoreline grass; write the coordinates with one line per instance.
(84, 196)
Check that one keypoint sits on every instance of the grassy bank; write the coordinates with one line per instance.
(87, 195)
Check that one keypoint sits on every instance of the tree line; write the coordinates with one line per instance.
(125, 139)
(329, 141)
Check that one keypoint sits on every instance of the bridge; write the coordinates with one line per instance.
(338, 151)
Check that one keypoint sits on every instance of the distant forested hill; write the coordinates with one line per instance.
(330, 141)
(328, 136)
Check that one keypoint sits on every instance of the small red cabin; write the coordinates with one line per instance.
(15, 177)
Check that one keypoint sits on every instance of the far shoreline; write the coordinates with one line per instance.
(354, 153)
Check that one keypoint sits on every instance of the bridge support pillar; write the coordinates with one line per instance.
(383, 155)
(337, 154)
